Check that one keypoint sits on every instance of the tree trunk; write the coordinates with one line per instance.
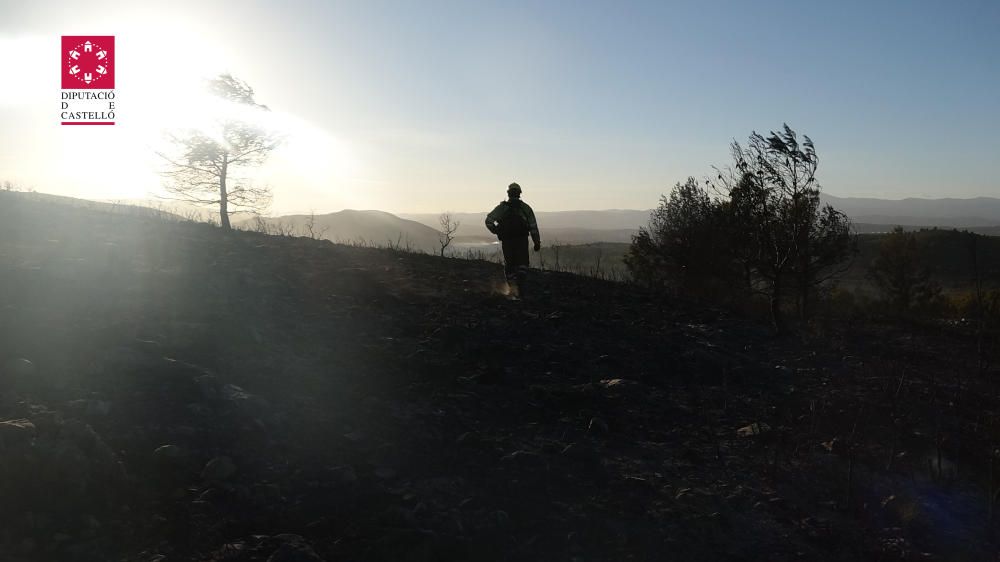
(805, 266)
(980, 321)
(804, 311)
(223, 196)
(776, 317)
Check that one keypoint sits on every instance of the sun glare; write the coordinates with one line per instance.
(161, 83)
(171, 89)
(24, 60)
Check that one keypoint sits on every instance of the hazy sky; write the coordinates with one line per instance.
(426, 106)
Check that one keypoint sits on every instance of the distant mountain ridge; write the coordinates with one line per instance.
(567, 227)
(613, 225)
(947, 212)
(420, 230)
(612, 219)
(367, 226)
(617, 225)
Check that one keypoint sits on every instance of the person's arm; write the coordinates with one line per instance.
(494, 217)
(533, 227)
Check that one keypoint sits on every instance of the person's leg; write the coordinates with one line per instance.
(510, 258)
(521, 259)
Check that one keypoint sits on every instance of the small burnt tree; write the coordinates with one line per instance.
(447, 233)
(208, 167)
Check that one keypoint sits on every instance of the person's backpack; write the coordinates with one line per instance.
(513, 223)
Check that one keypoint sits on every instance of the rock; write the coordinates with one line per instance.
(18, 374)
(68, 464)
(344, 474)
(597, 425)
(318, 524)
(753, 429)
(84, 438)
(46, 421)
(211, 495)
(208, 386)
(293, 549)
(266, 494)
(623, 385)
(249, 404)
(526, 460)
(853, 362)
(418, 511)
(218, 469)
(123, 359)
(28, 545)
(81, 434)
(708, 358)
(233, 393)
(711, 362)
(16, 432)
(91, 408)
(580, 452)
(20, 369)
(198, 409)
(202, 507)
(355, 436)
(834, 445)
(501, 517)
(168, 453)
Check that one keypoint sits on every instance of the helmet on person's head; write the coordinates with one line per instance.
(514, 190)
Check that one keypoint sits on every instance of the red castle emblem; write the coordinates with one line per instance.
(88, 62)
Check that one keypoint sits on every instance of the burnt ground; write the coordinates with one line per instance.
(170, 392)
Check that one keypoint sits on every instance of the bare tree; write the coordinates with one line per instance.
(259, 225)
(448, 228)
(311, 229)
(205, 168)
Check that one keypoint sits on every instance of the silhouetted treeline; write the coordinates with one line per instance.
(931, 273)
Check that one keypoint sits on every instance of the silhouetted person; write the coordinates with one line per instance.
(512, 221)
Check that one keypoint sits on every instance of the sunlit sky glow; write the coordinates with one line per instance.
(427, 106)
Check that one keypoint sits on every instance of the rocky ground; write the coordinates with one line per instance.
(172, 392)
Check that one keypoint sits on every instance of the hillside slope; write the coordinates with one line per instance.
(170, 391)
